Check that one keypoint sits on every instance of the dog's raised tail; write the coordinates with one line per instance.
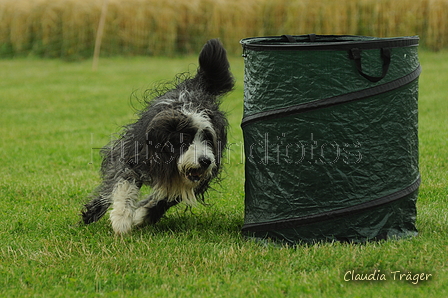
(214, 68)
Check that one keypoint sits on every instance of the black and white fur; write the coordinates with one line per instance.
(175, 147)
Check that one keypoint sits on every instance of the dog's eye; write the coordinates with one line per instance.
(178, 139)
(208, 136)
(185, 138)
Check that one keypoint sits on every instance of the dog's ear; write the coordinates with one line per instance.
(219, 122)
(169, 126)
(161, 125)
(154, 133)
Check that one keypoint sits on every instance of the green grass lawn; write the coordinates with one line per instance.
(55, 114)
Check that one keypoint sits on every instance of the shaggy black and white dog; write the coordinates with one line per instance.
(175, 147)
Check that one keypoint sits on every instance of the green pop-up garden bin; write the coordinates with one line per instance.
(331, 137)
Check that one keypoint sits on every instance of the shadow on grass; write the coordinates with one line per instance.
(203, 222)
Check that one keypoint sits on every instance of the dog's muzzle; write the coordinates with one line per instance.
(196, 174)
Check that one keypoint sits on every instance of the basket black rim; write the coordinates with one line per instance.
(312, 42)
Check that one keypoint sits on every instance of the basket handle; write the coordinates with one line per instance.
(355, 54)
(292, 39)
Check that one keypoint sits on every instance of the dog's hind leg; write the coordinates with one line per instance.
(124, 197)
(95, 209)
(150, 211)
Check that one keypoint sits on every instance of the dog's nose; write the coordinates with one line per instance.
(204, 161)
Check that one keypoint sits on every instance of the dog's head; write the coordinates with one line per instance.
(184, 145)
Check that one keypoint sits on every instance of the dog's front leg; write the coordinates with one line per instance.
(151, 210)
(124, 197)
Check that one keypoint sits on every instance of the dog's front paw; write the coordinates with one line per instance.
(121, 219)
(122, 214)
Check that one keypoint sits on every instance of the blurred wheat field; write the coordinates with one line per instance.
(67, 28)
